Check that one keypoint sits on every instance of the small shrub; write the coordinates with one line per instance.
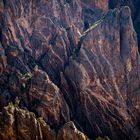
(74, 52)
(26, 76)
(10, 104)
(17, 101)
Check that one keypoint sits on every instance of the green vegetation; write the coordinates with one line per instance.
(10, 104)
(23, 85)
(26, 78)
(74, 52)
(94, 25)
(16, 103)
(76, 49)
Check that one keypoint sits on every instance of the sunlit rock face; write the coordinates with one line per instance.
(62, 75)
(24, 125)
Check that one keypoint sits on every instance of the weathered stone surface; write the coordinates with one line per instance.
(69, 132)
(46, 99)
(102, 74)
(62, 75)
(134, 5)
(23, 125)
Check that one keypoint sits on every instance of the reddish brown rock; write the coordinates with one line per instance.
(22, 124)
(101, 4)
(70, 132)
(46, 99)
(91, 79)
(102, 74)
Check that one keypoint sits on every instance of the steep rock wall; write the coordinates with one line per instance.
(92, 80)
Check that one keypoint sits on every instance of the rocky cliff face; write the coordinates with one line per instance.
(23, 125)
(135, 12)
(64, 66)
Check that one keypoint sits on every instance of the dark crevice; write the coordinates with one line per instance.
(70, 37)
(16, 124)
(137, 12)
(86, 24)
(71, 97)
(120, 42)
(85, 32)
(80, 44)
(52, 41)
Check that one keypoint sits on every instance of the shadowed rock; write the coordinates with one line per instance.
(62, 76)
(23, 125)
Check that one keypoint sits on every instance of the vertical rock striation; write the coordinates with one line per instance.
(103, 76)
(23, 125)
(134, 5)
(64, 67)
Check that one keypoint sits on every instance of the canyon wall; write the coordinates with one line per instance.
(72, 61)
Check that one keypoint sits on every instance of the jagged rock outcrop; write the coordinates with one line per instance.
(23, 125)
(134, 5)
(69, 132)
(46, 99)
(64, 67)
(102, 76)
